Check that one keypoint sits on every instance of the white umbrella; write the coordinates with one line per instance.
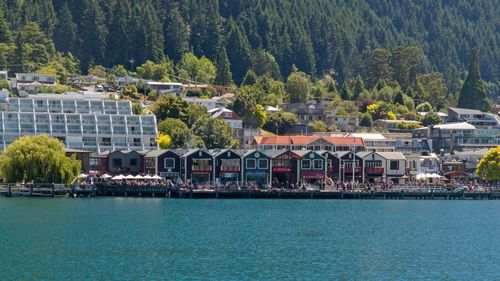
(138, 177)
(436, 176)
(129, 177)
(156, 177)
(82, 176)
(420, 176)
(119, 177)
(106, 176)
(148, 177)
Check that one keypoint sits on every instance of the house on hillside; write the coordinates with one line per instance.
(32, 82)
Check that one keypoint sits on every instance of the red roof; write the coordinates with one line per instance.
(305, 140)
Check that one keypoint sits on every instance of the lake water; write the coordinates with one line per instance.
(161, 239)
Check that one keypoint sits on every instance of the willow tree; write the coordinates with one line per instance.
(38, 159)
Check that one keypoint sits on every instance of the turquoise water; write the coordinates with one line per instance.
(160, 239)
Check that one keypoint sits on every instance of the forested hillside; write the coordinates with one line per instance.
(317, 36)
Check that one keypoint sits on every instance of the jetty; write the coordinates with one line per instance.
(33, 190)
(163, 192)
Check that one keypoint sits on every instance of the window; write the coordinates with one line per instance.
(318, 164)
(94, 161)
(306, 164)
(263, 164)
(251, 164)
(117, 163)
(169, 163)
(133, 162)
(394, 165)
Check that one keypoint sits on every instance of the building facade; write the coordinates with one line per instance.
(80, 123)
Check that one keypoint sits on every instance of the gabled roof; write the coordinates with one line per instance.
(363, 154)
(249, 152)
(217, 152)
(276, 153)
(192, 151)
(159, 152)
(71, 150)
(302, 153)
(344, 141)
(306, 140)
(392, 155)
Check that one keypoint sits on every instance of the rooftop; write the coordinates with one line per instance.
(465, 110)
(392, 155)
(455, 126)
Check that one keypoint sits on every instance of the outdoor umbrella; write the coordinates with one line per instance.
(106, 176)
(156, 177)
(119, 177)
(138, 177)
(129, 177)
(82, 176)
(148, 177)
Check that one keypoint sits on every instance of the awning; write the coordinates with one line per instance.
(312, 174)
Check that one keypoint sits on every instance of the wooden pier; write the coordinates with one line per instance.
(33, 190)
(160, 191)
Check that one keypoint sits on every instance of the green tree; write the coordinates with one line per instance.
(40, 159)
(65, 33)
(200, 70)
(473, 94)
(224, 76)
(176, 34)
(33, 48)
(264, 63)
(238, 51)
(298, 87)
(137, 108)
(318, 126)
(92, 30)
(366, 120)
(379, 66)
(424, 107)
(399, 98)
(345, 92)
(250, 78)
(215, 133)
(156, 71)
(170, 107)
(489, 165)
(280, 122)
(177, 130)
(431, 118)
(5, 34)
(359, 88)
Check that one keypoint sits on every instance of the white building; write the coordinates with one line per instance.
(161, 88)
(32, 82)
(376, 142)
(80, 123)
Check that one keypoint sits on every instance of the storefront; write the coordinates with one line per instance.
(312, 167)
(284, 168)
(256, 169)
(227, 167)
(198, 167)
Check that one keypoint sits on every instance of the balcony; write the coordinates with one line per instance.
(229, 168)
(374, 170)
(198, 168)
(348, 170)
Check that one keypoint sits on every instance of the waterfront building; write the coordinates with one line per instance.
(98, 163)
(164, 162)
(80, 122)
(125, 162)
(392, 125)
(394, 164)
(350, 161)
(256, 168)
(314, 142)
(422, 163)
(284, 167)
(312, 166)
(332, 164)
(227, 168)
(198, 167)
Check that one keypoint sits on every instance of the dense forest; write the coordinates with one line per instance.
(336, 37)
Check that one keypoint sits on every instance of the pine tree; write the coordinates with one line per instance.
(398, 98)
(119, 43)
(345, 92)
(250, 78)
(5, 35)
(93, 33)
(224, 76)
(473, 94)
(65, 31)
(359, 87)
(176, 34)
(238, 52)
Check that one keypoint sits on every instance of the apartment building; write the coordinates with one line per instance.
(80, 123)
